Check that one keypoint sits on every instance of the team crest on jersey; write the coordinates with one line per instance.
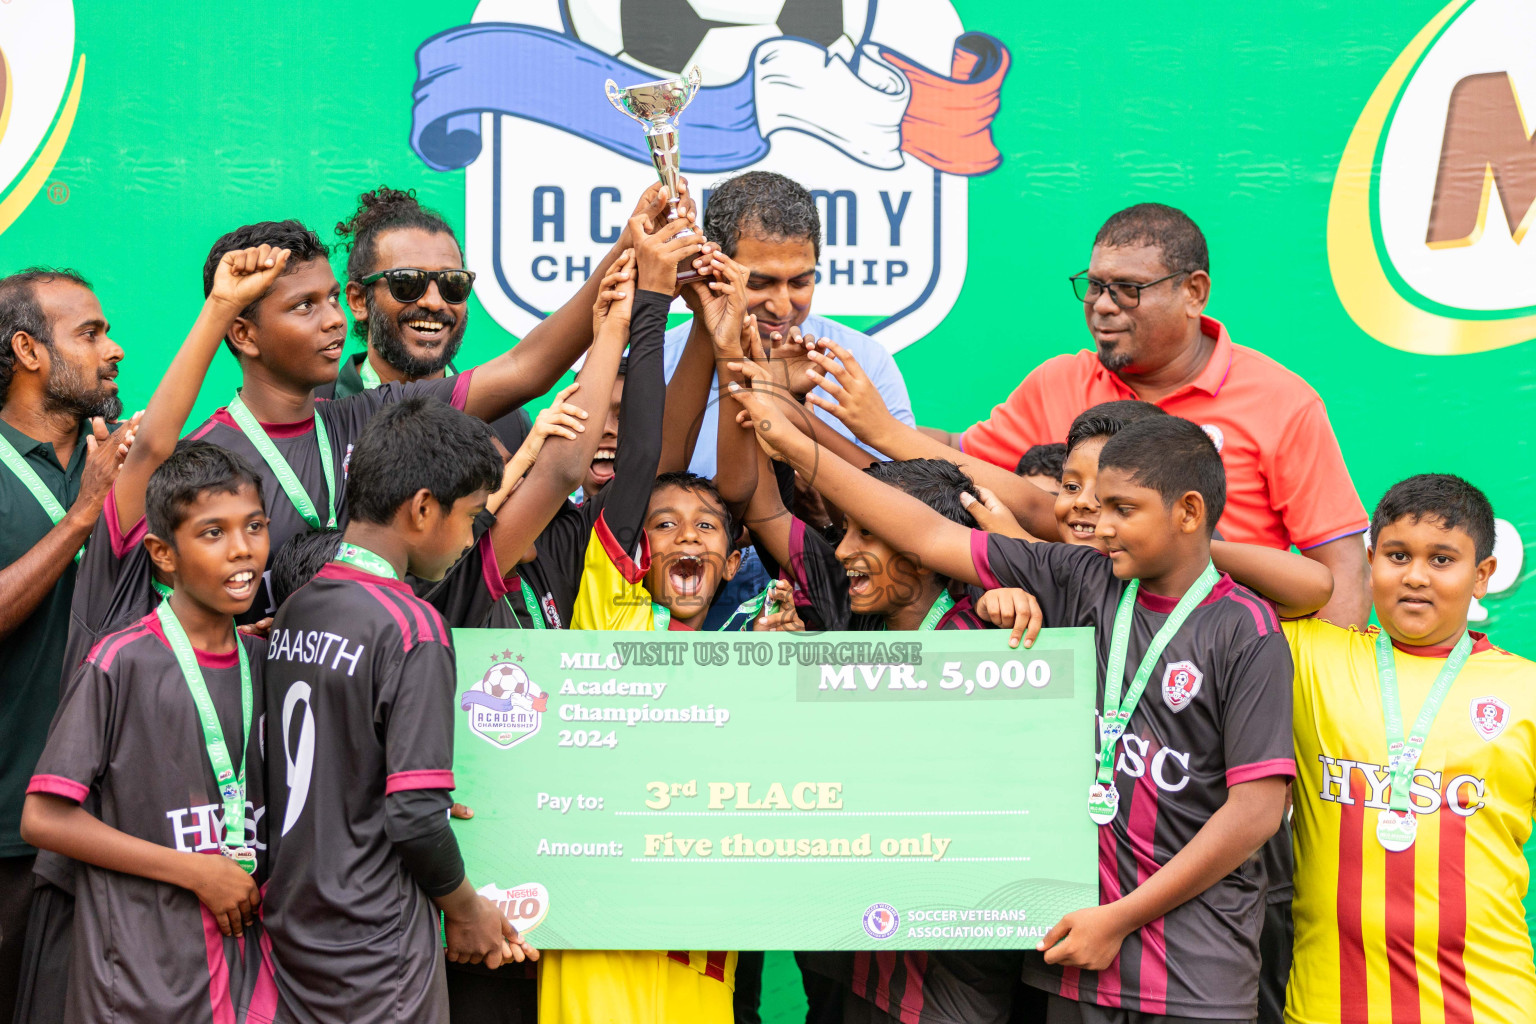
(505, 707)
(1489, 717)
(880, 921)
(882, 108)
(1181, 681)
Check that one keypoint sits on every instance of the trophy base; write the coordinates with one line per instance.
(686, 273)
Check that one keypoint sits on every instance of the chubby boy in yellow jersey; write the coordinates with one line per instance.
(1409, 881)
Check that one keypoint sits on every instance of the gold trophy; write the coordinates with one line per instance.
(656, 106)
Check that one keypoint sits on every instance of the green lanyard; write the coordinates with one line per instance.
(531, 602)
(284, 472)
(1396, 827)
(16, 463)
(231, 785)
(661, 618)
(1103, 798)
(941, 607)
(370, 376)
(362, 558)
(163, 589)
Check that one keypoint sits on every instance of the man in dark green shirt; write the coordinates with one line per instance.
(58, 393)
(412, 311)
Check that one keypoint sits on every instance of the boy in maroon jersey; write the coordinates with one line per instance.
(1205, 760)
(359, 719)
(146, 784)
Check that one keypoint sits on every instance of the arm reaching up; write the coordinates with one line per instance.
(858, 405)
(242, 277)
(532, 367)
(900, 519)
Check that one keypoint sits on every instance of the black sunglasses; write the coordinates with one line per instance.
(407, 284)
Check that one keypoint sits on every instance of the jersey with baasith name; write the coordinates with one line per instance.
(359, 734)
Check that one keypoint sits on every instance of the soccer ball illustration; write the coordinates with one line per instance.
(505, 679)
(669, 36)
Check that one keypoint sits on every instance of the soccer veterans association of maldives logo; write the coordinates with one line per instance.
(1489, 717)
(1181, 682)
(505, 707)
(882, 108)
(1436, 190)
(880, 921)
(40, 81)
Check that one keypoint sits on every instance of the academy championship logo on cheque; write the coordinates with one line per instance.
(883, 109)
(1436, 191)
(505, 707)
(40, 83)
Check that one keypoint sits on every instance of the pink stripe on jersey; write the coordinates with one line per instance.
(912, 994)
(58, 785)
(979, 560)
(107, 647)
(1261, 616)
(264, 996)
(421, 778)
(885, 963)
(122, 542)
(1142, 827)
(1108, 992)
(1261, 770)
(407, 637)
(1070, 979)
(218, 971)
(461, 390)
(490, 570)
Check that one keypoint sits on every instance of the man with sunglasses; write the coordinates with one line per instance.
(408, 293)
(1143, 294)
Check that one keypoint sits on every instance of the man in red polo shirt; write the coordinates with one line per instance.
(1143, 294)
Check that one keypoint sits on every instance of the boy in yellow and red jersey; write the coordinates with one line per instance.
(1409, 882)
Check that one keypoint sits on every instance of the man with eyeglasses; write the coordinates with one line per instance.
(1143, 296)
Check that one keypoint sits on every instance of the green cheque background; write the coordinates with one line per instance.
(197, 117)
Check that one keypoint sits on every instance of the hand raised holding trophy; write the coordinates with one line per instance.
(656, 106)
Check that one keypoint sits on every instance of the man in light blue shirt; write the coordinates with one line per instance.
(770, 225)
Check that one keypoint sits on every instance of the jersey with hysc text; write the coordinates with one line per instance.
(1434, 933)
(359, 730)
(127, 744)
(1211, 718)
(344, 421)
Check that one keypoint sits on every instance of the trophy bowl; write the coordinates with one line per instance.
(656, 106)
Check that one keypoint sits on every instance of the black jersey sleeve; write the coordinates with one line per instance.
(79, 742)
(114, 586)
(414, 709)
(624, 501)
(1067, 579)
(1255, 696)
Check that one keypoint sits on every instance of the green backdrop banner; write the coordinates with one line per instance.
(841, 791)
(1356, 167)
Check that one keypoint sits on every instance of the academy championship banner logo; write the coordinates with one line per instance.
(505, 707)
(1436, 190)
(882, 107)
(39, 93)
